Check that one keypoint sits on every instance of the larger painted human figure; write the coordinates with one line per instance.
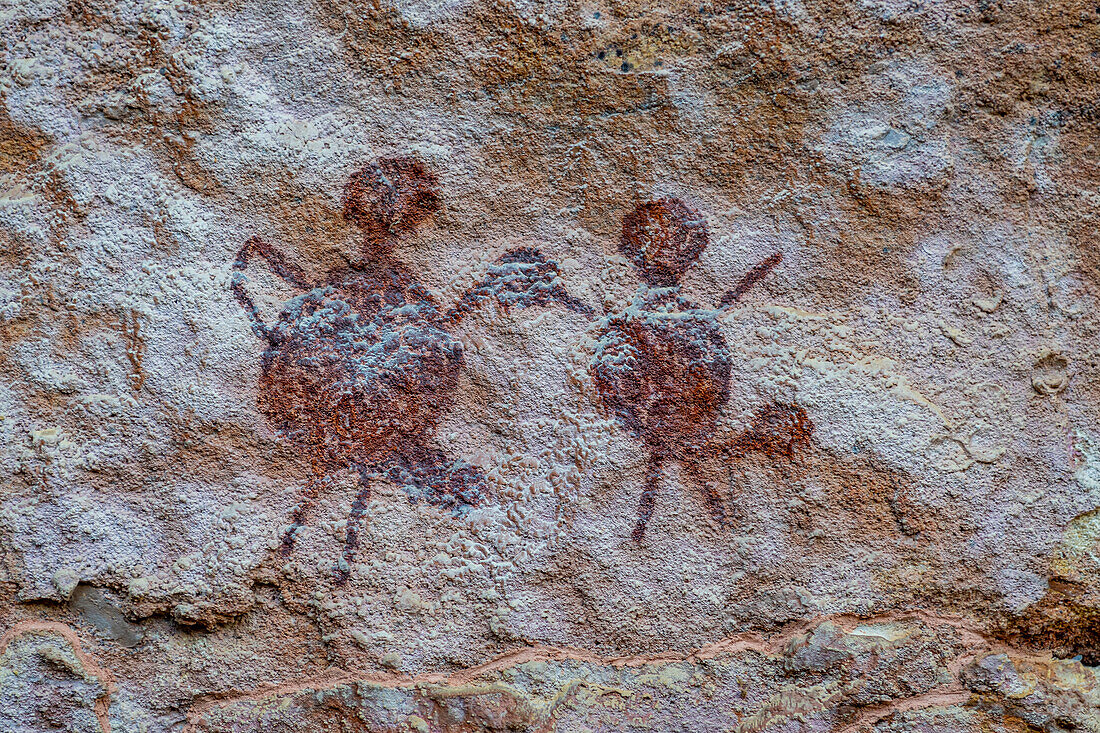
(359, 368)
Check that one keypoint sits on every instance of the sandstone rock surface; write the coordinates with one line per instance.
(475, 365)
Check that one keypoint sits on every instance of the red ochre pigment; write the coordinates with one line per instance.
(359, 369)
(662, 367)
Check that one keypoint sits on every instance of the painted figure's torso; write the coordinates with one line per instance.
(361, 367)
(663, 369)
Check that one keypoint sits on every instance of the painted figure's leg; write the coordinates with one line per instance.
(342, 571)
(710, 494)
(307, 498)
(649, 495)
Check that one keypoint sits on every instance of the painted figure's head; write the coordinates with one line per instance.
(390, 197)
(663, 238)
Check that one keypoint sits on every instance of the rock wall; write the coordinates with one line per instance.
(471, 365)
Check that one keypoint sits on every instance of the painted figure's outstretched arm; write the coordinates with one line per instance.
(521, 277)
(287, 271)
(750, 278)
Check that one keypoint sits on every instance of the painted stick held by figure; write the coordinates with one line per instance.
(359, 368)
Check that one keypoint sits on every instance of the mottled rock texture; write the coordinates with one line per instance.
(485, 365)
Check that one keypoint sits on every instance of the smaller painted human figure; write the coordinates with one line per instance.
(662, 366)
(360, 368)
